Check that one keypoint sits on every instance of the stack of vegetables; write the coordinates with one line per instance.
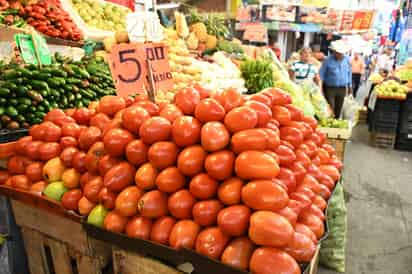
(391, 89)
(27, 93)
(244, 180)
(9, 14)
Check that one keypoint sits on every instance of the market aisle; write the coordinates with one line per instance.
(378, 189)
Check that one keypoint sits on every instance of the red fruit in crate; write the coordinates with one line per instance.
(17, 164)
(4, 176)
(203, 187)
(187, 99)
(161, 230)
(106, 163)
(153, 204)
(211, 242)
(292, 135)
(150, 107)
(205, 212)
(68, 141)
(52, 132)
(70, 199)
(314, 223)
(230, 99)
(85, 178)
(320, 202)
(93, 156)
(89, 136)
(145, 176)
(85, 206)
(180, 204)
(301, 248)
(128, 200)
(191, 160)
(238, 252)
(155, 129)
(264, 195)
(184, 234)
(82, 116)
(119, 115)
(273, 139)
(67, 156)
(20, 182)
(92, 189)
(289, 214)
(115, 222)
(261, 98)
(54, 114)
(107, 198)
(310, 121)
(34, 171)
(136, 152)
(119, 177)
(269, 260)
(281, 114)
(37, 132)
(279, 96)
(163, 154)
(38, 187)
(219, 165)
(229, 192)
(241, 118)
(331, 171)
(133, 118)
(234, 220)
(287, 177)
(21, 145)
(295, 113)
(170, 180)
(109, 105)
(79, 161)
(214, 136)
(305, 230)
(254, 164)
(263, 111)
(171, 112)
(99, 120)
(48, 151)
(116, 140)
(209, 110)
(286, 155)
(249, 139)
(186, 131)
(139, 227)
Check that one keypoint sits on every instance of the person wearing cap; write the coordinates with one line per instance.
(358, 69)
(336, 75)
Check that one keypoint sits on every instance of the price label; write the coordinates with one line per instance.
(256, 32)
(144, 26)
(129, 67)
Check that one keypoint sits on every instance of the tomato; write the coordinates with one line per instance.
(313, 210)
(249, 139)
(68, 141)
(295, 113)
(292, 135)
(273, 139)
(181, 204)
(336, 162)
(82, 116)
(38, 188)
(327, 181)
(211, 242)
(20, 182)
(150, 107)
(317, 137)
(107, 198)
(109, 105)
(270, 229)
(314, 223)
(4, 176)
(170, 180)
(133, 117)
(310, 182)
(307, 191)
(311, 121)
(234, 220)
(254, 164)
(320, 202)
(186, 131)
(305, 230)
(54, 114)
(70, 199)
(203, 187)
(139, 227)
(261, 98)
(85, 178)
(289, 214)
(214, 136)
(287, 177)
(184, 234)
(264, 195)
(190, 160)
(209, 110)
(145, 176)
(302, 201)
(116, 140)
(115, 222)
(263, 111)
(324, 156)
(48, 151)
(230, 99)
(279, 96)
(79, 161)
(187, 99)
(286, 155)
(37, 132)
(331, 171)
(205, 212)
(141, 97)
(203, 92)
(299, 171)
(85, 206)
(92, 189)
(127, 201)
(329, 148)
(21, 145)
(119, 177)
(163, 154)
(238, 252)
(241, 118)
(100, 120)
(89, 136)
(269, 260)
(171, 112)
(153, 204)
(95, 153)
(161, 230)
(312, 148)
(52, 132)
(281, 114)
(273, 124)
(219, 165)
(229, 192)
(107, 162)
(155, 129)
(17, 164)
(301, 248)
(136, 152)
(70, 111)
(34, 171)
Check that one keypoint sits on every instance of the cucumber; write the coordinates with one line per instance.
(11, 111)
(21, 90)
(2, 110)
(4, 91)
(13, 102)
(40, 85)
(44, 76)
(24, 101)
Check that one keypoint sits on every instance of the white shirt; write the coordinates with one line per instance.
(384, 61)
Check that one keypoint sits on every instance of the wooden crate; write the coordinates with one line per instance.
(383, 140)
(363, 114)
(58, 245)
(339, 145)
(337, 133)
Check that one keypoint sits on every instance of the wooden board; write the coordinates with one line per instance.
(383, 140)
(339, 145)
(337, 133)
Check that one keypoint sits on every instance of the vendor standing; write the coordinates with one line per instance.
(303, 69)
(336, 74)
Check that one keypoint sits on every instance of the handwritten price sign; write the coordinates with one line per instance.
(129, 67)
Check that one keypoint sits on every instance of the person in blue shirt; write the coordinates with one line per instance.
(336, 75)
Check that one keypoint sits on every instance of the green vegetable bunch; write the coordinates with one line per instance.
(258, 74)
(334, 123)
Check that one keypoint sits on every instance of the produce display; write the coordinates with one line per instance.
(375, 78)
(244, 180)
(258, 74)
(9, 14)
(391, 89)
(334, 123)
(27, 93)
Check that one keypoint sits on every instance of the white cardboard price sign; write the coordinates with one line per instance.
(144, 26)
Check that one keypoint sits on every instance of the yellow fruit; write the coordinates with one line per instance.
(192, 42)
(200, 30)
(71, 178)
(53, 170)
(211, 42)
(122, 36)
(181, 25)
(109, 42)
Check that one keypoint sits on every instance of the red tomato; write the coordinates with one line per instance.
(287, 177)
(116, 140)
(34, 171)
(249, 139)
(270, 229)
(109, 105)
(133, 117)
(107, 198)
(184, 234)
(211, 242)
(171, 112)
(308, 192)
(264, 195)
(229, 192)
(92, 189)
(302, 202)
(106, 163)
(170, 180)
(141, 97)
(299, 171)
(209, 110)
(238, 252)
(93, 156)
(155, 129)
(336, 162)
(115, 222)
(205, 212)
(324, 156)
(37, 132)
(203, 187)
(181, 204)
(214, 136)
(68, 141)
(127, 201)
(163, 154)
(48, 151)
(85, 206)
(186, 131)
(292, 135)
(241, 118)
(289, 214)
(256, 165)
(326, 180)
(145, 176)
(230, 99)
(82, 116)
(324, 191)
(330, 149)
(234, 220)
(67, 156)
(279, 96)
(331, 171)
(190, 160)
(273, 139)
(54, 114)
(136, 152)
(38, 188)
(151, 107)
(139, 227)
(70, 199)
(219, 165)
(281, 114)
(52, 132)
(119, 177)
(301, 248)
(314, 223)
(204, 93)
(269, 260)
(263, 111)
(310, 182)
(21, 145)
(261, 98)
(286, 155)
(20, 182)
(153, 204)
(100, 120)
(161, 230)
(89, 136)
(79, 162)
(311, 121)
(312, 148)
(187, 99)
(320, 202)
(305, 230)
(295, 113)
(313, 210)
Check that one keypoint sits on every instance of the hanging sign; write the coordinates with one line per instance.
(363, 20)
(243, 14)
(129, 67)
(279, 13)
(126, 3)
(346, 21)
(33, 49)
(256, 32)
(144, 26)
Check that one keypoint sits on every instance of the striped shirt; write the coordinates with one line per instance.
(304, 71)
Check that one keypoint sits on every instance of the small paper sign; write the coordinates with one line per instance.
(33, 52)
(256, 32)
(144, 26)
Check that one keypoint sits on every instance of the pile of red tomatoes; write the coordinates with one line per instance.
(244, 180)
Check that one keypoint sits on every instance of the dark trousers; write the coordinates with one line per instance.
(335, 98)
(356, 77)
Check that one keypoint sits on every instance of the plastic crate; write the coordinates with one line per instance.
(383, 139)
(7, 135)
(404, 141)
